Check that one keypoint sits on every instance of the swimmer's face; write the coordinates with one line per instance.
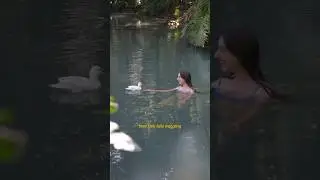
(228, 62)
(180, 80)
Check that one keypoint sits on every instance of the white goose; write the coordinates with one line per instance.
(122, 141)
(135, 88)
(78, 83)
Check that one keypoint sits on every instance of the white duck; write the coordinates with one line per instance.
(78, 83)
(135, 88)
(122, 141)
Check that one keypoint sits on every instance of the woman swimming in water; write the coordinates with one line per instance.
(238, 94)
(185, 84)
(239, 57)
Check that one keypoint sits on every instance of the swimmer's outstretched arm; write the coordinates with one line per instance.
(160, 90)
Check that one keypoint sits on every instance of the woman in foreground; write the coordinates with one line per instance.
(238, 95)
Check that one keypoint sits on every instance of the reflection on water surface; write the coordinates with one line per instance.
(149, 56)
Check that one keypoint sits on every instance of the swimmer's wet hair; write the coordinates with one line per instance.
(187, 78)
(244, 44)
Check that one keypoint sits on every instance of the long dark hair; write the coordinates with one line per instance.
(244, 45)
(186, 76)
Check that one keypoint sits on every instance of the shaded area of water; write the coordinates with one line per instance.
(154, 57)
(45, 40)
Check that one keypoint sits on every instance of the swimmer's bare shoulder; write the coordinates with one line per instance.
(215, 84)
(262, 95)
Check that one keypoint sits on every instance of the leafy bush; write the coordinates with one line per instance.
(197, 23)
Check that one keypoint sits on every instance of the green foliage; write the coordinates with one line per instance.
(10, 140)
(7, 150)
(177, 12)
(113, 105)
(7, 147)
(197, 23)
(118, 5)
(159, 7)
(6, 116)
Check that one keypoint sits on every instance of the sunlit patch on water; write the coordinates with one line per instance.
(190, 157)
(167, 174)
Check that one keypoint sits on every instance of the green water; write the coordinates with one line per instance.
(153, 57)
